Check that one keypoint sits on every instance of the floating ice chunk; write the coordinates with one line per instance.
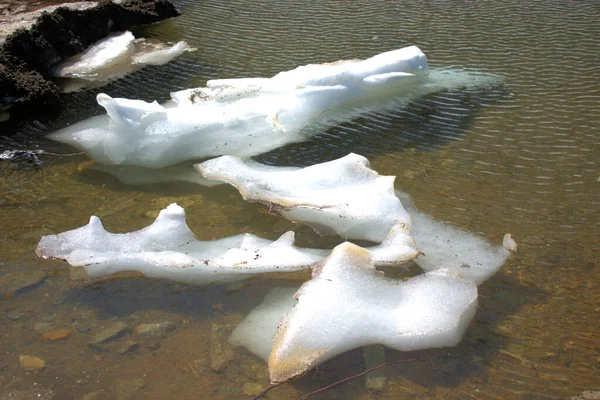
(348, 304)
(114, 49)
(250, 116)
(114, 56)
(151, 53)
(453, 250)
(344, 196)
(168, 249)
(406, 62)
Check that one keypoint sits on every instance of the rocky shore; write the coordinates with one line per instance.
(32, 42)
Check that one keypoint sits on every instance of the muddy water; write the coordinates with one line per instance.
(519, 158)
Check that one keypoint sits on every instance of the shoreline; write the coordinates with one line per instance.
(34, 41)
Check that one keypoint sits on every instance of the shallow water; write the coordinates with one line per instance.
(521, 157)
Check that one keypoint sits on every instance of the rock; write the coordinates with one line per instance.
(221, 353)
(153, 345)
(48, 318)
(199, 366)
(14, 316)
(126, 388)
(31, 363)
(128, 347)
(33, 42)
(113, 332)
(252, 389)
(17, 283)
(42, 326)
(57, 334)
(155, 330)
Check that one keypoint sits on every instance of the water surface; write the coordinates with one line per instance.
(521, 157)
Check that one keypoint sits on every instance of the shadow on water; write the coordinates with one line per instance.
(425, 123)
(431, 370)
(123, 297)
(500, 297)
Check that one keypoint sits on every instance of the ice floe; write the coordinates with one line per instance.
(348, 304)
(344, 196)
(114, 56)
(250, 116)
(168, 249)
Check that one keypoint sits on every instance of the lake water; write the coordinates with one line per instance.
(521, 157)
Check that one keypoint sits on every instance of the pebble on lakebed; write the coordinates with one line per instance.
(155, 330)
(31, 363)
(57, 334)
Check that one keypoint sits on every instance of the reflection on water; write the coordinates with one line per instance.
(520, 158)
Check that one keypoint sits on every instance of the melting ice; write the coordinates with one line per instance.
(250, 116)
(348, 304)
(344, 196)
(168, 249)
(112, 57)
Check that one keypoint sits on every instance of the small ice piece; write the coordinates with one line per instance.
(114, 49)
(113, 57)
(168, 249)
(344, 196)
(149, 53)
(348, 304)
(453, 250)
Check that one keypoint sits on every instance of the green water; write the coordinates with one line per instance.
(520, 158)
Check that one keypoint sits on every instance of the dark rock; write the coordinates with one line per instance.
(153, 345)
(26, 54)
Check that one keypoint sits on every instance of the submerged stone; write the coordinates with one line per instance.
(31, 363)
(113, 332)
